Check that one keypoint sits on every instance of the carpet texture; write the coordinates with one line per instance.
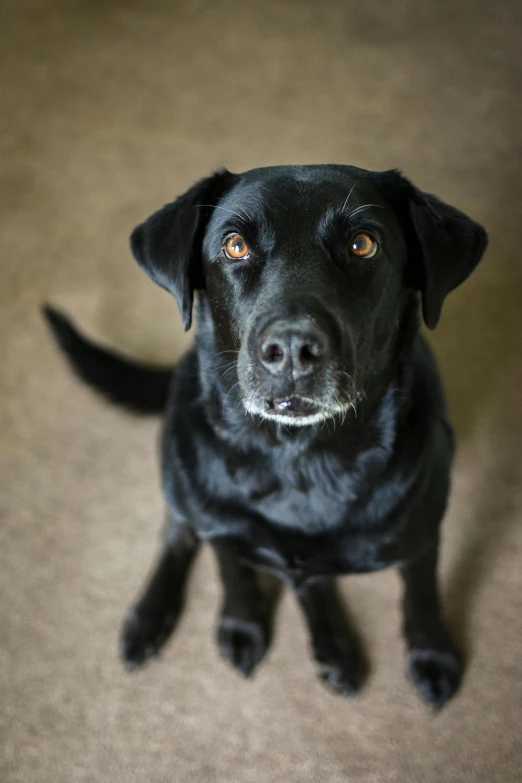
(108, 109)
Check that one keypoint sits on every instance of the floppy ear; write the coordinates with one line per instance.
(446, 247)
(168, 244)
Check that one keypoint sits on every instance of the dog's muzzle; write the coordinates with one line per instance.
(288, 370)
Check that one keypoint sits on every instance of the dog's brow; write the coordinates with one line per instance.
(364, 206)
(232, 212)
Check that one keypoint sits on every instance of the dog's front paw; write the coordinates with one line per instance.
(340, 668)
(144, 636)
(242, 642)
(436, 674)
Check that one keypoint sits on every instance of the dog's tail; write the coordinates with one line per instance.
(141, 388)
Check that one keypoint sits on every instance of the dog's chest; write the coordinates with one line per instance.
(311, 496)
(318, 530)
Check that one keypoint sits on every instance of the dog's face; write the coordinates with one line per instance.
(303, 272)
(306, 270)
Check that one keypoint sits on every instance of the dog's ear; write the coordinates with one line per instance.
(445, 246)
(168, 244)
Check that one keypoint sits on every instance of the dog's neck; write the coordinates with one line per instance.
(221, 396)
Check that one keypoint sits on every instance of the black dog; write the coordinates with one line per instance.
(306, 432)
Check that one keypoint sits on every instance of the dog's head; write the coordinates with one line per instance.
(306, 270)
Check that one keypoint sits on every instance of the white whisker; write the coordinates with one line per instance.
(364, 206)
(349, 194)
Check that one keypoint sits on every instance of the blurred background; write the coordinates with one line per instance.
(108, 110)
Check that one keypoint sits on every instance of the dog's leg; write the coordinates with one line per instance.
(153, 618)
(434, 663)
(244, 625)
(334, 645)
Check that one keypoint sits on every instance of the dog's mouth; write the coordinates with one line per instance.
(293, 410)
(293, 407)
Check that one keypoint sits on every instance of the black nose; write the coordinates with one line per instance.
(298, 347)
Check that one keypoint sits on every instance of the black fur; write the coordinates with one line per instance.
(306, 433)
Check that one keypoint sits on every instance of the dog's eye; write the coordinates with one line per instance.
(363, 246)
(236, 247)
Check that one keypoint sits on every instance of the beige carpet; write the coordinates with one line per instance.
(107, 109)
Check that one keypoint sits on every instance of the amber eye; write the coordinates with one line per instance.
(236, 247)
(363, 246)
